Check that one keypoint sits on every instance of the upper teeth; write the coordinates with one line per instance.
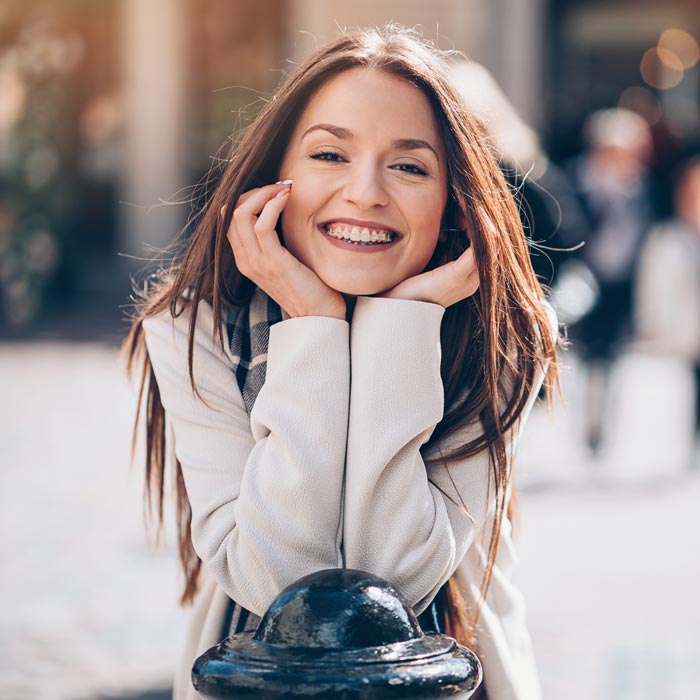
(359, 234)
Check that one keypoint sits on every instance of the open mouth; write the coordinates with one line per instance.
(360, 235)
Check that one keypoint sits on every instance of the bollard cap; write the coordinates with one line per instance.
(338, 633)
(338, 609)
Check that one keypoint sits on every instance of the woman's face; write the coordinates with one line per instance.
(370, 184)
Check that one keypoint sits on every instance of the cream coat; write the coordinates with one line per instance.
(327, 472)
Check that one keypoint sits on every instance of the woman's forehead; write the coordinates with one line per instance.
(362, 100)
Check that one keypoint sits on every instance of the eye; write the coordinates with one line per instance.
(411, 169)
(329, 156)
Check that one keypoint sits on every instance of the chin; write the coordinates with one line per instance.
(356, 285)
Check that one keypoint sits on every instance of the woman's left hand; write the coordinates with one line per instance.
(445, 285)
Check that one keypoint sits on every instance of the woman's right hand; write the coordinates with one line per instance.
(261, 257)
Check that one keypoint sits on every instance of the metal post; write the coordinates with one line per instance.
(340, 634)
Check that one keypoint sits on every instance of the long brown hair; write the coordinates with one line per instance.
(494, 343)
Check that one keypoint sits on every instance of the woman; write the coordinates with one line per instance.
(390, 249)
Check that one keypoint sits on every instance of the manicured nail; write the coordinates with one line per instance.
(284, 182)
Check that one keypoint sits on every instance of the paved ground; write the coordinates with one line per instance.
(609, 556)
(85, 607)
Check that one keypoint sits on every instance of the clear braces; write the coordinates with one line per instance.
(366, 236)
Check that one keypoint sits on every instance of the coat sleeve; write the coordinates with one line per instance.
(265, 489)
(404, 522)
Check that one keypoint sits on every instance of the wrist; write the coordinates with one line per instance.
(327, 312)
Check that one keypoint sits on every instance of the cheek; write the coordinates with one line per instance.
(297, 220)
(297, 204)
(429, 221)
(304, 199)
(428, 228)
(420, 253)
(427, 251)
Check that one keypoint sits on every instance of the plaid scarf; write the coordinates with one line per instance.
(248, 333)
(248, 336)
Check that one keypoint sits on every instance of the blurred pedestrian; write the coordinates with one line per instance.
(668, 282)
(612, 180)
(389, 246)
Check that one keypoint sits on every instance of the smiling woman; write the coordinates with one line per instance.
(362, 228)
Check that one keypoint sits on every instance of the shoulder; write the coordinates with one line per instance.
(179, 322)
(168, 336)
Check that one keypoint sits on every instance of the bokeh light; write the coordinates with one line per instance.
(642, 101)
(14, 98)
(661, 68)
(99, 118)
(682, 44)
(670, 60)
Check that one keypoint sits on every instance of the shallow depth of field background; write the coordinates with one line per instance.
(110, 112)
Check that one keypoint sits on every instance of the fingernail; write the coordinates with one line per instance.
(284, 182)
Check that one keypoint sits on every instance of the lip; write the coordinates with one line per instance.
(360, 223)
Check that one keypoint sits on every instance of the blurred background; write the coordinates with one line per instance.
(111, 111)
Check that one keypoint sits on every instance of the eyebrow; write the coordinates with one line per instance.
(345, 134)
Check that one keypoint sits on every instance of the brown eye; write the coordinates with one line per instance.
(326, 155)
(411, 169)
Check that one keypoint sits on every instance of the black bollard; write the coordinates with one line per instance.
(338, 634)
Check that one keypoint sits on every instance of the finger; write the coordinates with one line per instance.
(243, 249)
(472, 284)
(247, 195)
(236, 241)
(251, 203)
(241, 232)
(241, 199)
(269, 216)
(237, 245)
(427, 286)
(465, 264)
(468, 284)
(458, 279)
(242, 238)
(246, 215)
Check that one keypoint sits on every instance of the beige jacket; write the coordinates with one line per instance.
(327, 472)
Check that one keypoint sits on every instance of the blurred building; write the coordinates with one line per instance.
(113, 110)
(638, 54)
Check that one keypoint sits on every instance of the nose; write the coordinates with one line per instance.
(365, 187)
